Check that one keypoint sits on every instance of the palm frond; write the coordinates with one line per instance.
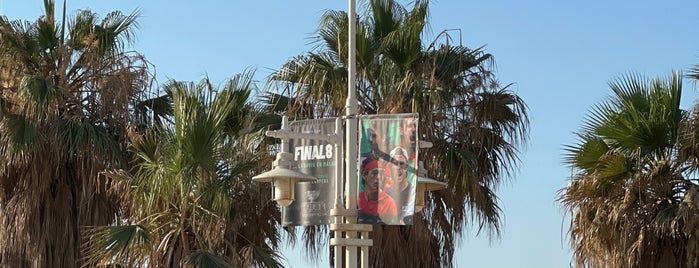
(586, 154)
(19, 132)
(159, 108)
(204, 259)
(81, 26)
(115, 30)
(113, 242)
(262, 257)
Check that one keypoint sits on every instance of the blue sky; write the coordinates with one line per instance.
(559, 54)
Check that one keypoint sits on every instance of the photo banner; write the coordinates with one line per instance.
(318, 159)
(387, 179)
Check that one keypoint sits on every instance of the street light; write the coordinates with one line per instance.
(348, 233)
(283, 178)
(425, 184)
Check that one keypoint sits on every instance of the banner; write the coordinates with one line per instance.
(387, 169)
(318, 159)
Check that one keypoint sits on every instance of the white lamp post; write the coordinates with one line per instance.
(348, 234)
(350, 225)
(283, 175)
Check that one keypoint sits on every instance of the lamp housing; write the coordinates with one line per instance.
(424, 185)
(283, 177)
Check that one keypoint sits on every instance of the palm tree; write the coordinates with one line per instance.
(632, 196)
(475, 125)
(190, 194)
(66, 91)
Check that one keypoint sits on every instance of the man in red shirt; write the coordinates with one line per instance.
(375, 206)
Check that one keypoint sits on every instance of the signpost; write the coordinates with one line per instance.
(311, 149)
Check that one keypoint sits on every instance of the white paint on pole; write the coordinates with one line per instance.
(351, 132)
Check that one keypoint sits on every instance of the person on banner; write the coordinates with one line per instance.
(408, 136)
(401, 190)
(375, 206)
(376, 141)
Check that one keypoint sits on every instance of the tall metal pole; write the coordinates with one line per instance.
(339, 204)
(351, 132)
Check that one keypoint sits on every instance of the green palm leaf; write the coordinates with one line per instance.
(20, 132)
(586, 155)
(262, 257)
(113, 242)
(39, 89)
(203, 259)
